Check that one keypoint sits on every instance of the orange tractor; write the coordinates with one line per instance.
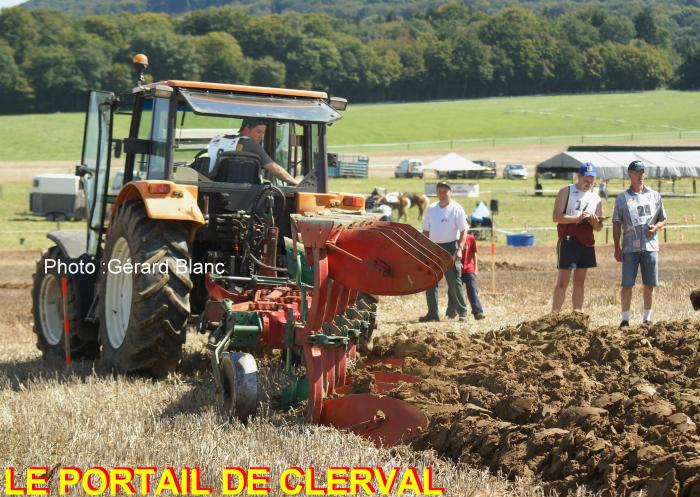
(178, 241)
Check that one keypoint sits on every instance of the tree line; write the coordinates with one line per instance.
(49, 59)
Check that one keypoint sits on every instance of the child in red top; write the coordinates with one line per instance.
(470, 268)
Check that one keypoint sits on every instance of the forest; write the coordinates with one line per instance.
(452, 50)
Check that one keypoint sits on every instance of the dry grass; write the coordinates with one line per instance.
(86, 418)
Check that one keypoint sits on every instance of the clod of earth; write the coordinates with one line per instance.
(567, 405)
(695, 298)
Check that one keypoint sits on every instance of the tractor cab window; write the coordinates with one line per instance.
(292, 145)
(293, 135)
(193, 134)
(150, 147)
(297, 147)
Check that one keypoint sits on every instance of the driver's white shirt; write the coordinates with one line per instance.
(219, 144)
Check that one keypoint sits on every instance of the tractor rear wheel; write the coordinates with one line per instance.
(47, 308)
(143, 312)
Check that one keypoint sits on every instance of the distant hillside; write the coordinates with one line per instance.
(355, 9)
(89, 7)
(352, 8)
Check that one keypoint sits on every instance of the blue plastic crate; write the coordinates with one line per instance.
(520, 240)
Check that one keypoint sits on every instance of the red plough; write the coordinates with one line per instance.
(320, 325)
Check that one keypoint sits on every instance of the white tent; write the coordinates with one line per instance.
(613, 164)
(453, 162)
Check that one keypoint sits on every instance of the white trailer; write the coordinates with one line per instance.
(57, 196)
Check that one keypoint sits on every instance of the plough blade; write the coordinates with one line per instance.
(380, 260)
(384, 381)
(411, 246)
(445, 258)
(384, 420)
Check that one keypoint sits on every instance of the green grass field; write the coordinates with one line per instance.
(658, 111)
(19, 229)
(518, 210)
(666, 113)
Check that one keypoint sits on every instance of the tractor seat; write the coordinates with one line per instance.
(237, 167)
(201, 165)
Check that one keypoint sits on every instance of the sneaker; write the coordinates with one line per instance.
(451, 315)
(464, 318)
(646, 321)
(624, 324)
(479, 317)
(428, 318)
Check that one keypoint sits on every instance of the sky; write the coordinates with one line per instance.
(10, 3)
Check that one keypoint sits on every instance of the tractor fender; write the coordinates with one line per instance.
(71, 243)
(164, 200)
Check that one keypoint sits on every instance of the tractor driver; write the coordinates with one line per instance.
(248, 140)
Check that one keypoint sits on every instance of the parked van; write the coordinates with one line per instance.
(408, 168)
(489, 172)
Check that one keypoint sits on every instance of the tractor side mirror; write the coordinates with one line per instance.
(117, 148)
(81, 170)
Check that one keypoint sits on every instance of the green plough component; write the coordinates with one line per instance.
(306, 273)
(240, 329)
(328, 341)
(298, 388)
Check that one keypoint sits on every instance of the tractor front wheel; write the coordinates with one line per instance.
(144, 293)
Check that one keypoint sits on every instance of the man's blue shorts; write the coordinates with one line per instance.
(648, 261)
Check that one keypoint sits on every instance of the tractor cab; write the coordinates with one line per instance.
(174, 123)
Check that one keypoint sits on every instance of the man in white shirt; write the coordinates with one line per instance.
(446, 224)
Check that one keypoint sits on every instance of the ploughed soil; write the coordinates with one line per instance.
(559, 402)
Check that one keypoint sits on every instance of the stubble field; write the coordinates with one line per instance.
(514, 400)
(85, 417)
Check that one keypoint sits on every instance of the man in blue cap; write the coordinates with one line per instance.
(577, 212)
(638, 216)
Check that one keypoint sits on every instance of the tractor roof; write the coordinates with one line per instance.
(281, 104)
(260, 90)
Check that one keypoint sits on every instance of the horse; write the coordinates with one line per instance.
(401, 202)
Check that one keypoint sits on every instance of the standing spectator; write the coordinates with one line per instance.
(638, 216)
(385, 211)
(470, 268)
(577, 212)
(445, 224)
